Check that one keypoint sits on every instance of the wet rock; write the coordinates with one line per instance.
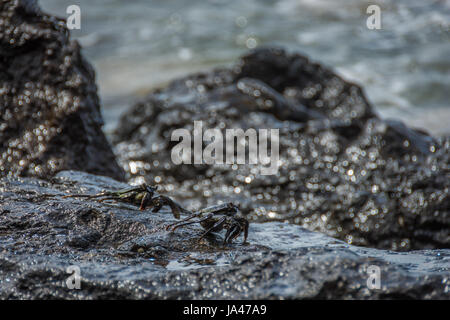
(343, 170)
(125, 253)
(49, 109)
(305, 82)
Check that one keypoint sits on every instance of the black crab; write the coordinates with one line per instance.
(144, 196)
(216, 218)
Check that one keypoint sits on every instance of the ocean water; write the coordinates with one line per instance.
(138, 45)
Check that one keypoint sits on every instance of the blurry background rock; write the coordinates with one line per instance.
(403, 68)
(50, 116)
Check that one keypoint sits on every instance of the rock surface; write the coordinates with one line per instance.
(123, 253)
(50, 117)
(343, 172)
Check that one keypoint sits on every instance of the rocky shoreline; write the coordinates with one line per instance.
(126, 254)
(352, 190)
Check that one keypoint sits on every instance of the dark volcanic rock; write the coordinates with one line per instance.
(343, 171)
(125, 253)
(49, 109)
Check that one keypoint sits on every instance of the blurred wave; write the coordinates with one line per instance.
(404, 67)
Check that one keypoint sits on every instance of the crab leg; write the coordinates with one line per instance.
(128, 190)
(107, 198)
(194, 215)
(98, 195)
(233, 232)
(227, 234)
(177, 225)
(218, 224)
(175, 207)
(245, 233)
(159, 201)
(145, 199)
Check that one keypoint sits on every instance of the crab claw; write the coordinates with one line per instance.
(145, 200)
(246, 225)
